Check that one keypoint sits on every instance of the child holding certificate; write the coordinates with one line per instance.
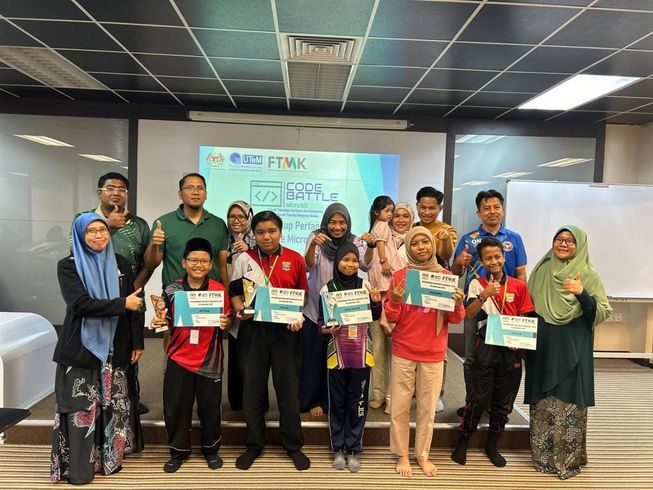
(496, 370)
(349, 358)
(194, 368)
(419, 344)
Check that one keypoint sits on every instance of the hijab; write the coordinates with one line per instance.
(247, 235)
(397, 235)
(431, 264)
(342, 281)
(330, 247)
(99, 274)
(551, 301)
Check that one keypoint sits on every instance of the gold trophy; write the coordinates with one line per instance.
(330, 302)
(248, 292)
(159, 306)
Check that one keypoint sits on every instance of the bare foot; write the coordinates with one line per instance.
(317, 411)
(428, 468)
(403, 467)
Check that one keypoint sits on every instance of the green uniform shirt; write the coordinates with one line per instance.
(179, 229)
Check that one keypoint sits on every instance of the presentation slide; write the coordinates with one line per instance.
(298, 185)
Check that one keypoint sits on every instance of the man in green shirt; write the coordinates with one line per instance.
(171, 232)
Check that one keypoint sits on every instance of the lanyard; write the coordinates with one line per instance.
(267, 276)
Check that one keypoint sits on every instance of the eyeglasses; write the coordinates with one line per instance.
(110, 189)
(232, 217)
(194, 188)
(203, 262)
(97, 231)
(566, 241)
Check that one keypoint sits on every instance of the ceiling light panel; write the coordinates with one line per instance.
(479, 139)
(99, 158)
(565, 162)
(43, 140)
(476, 182)
(512, 175)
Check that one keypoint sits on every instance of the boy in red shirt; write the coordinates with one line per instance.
(194, 368)
(496, 370)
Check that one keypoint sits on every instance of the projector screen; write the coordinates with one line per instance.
(297, 184)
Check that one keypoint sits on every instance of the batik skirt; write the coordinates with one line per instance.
(93, 429)
(558, 437)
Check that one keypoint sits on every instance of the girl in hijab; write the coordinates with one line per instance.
(419, 345)
(321, 247)
(570, 301)
(241, 239)
(100, 336)
(349, 358)
(402, 221)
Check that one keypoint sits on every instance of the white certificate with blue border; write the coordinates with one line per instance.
(349, 307)
(430, 289)
(278, 305)
(518, 332)
(198, 308)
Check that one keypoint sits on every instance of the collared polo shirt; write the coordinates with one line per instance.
(179, 229)
(513, 248)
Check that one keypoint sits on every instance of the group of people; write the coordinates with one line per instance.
(317, 366)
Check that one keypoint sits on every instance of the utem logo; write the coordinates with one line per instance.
(287, 163)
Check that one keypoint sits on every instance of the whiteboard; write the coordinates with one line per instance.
(617, 218)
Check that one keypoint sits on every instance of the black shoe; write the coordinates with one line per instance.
(460, 412)
(246, 459)
(213, 460)
(173, 464)
(143, 409)
(300, 460)
(459, 455)
(492, 451)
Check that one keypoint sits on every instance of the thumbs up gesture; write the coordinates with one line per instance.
(465, 258)
(573, 286)
(133, 302)
(397, 294)
(493, 287)
(158, 235)
(116, 218)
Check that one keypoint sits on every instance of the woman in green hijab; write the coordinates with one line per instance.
(570, 300)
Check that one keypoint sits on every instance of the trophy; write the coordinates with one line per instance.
(330, 301)
(248, 292)
(159, 306)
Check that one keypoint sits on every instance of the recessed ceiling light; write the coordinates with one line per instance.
(455, 189)
(99, 158)
(476, 182)
(577, 91)
(125, 167)
(44, 140)
(512, 175)
(565, 162)
(479, 139)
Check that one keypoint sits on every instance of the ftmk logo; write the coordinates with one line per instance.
(268, 194)
(287, 163)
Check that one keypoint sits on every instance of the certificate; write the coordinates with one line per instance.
(430, 289)
(278, 305)
(198, 308)
(519, 332)
(349, 307)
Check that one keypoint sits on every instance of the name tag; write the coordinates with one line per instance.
(194, 336)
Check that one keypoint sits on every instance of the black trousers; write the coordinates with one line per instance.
(234, 375)
(313, 378)
(496, 374)
(348, 393)
(264, 346)
(180, 390)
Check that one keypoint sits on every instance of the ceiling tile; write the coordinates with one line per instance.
(228, 44)
(646, 43)
(332, 18)
(417, 19)
(401, 53)
(253, 15)
(163, 40)
(92, 95)
(248, 69)
(497, 99)
(515, 24)
(153, 12)
(263, 89)
(584, 116)
(302, 105)
(524, 82)
(626, 63)
(14, 77)
(625, 4)
(457, 79)
(631, 118)
(369, 108)
(603, 28)
(615, 104)
(51, 9)
(34, 92)
(176, 66)
(575, 3)
(375, 94)
(192, 85)
(148, 97)
(102, 61)
(423, 110)
(6, 93)
(385, 76)
(74, 35)
(560, 60)
(209, 101)
(481, 56)
(128, 82)
(643, 88)
(477, 112)
(263, 103)
(11, 36)
(528, 115)
(445, 97)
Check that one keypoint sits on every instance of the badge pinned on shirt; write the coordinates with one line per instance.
(510, 297)
(285, 265)
(507, 246)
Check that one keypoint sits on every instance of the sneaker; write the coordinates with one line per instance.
(338, 461)
(173, 465)
(439, 408)
(353, 464)
(213, 461)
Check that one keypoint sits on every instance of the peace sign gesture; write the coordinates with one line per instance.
(573, 286)
(375, 294)
(397, 294)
